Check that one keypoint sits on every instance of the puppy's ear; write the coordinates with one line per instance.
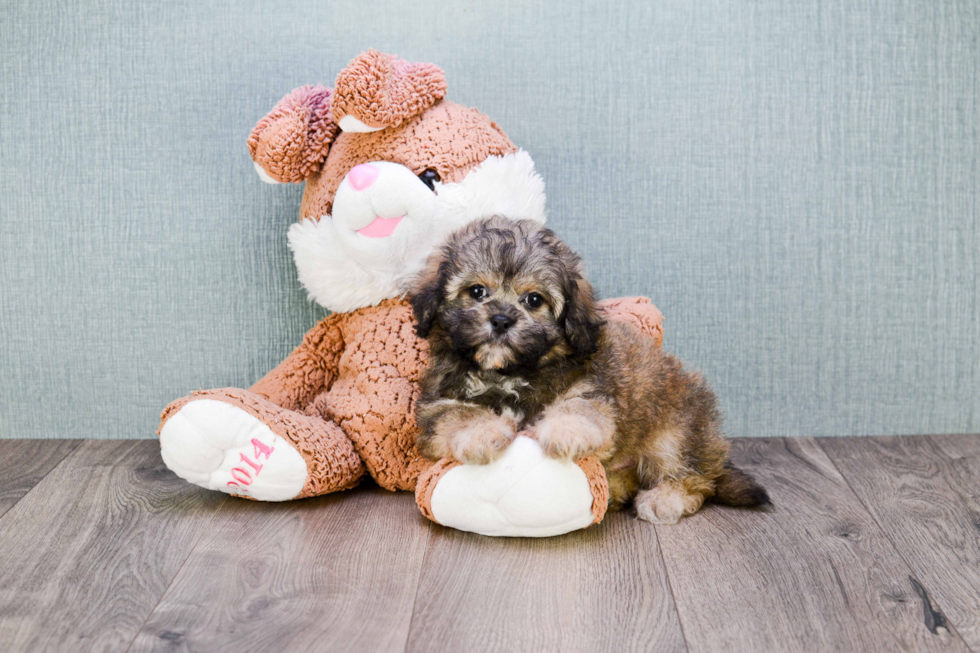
(581, 317)
(426, 293)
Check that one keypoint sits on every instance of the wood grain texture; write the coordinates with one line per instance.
(109, 549)
(23, 463)
(601, 589)
(335, 573)
(924, 492)
(816, 573)
(90, 551)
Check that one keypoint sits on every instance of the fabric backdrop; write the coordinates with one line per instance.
(794, 184)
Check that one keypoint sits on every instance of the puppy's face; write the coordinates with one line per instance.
(502, 316)
(505, 296)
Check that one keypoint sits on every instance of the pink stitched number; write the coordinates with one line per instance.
(261, 449)
(243, 476)
(257, 467)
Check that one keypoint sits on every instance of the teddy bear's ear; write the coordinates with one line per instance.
(290, 143)
(378, 90)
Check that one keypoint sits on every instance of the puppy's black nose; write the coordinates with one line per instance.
(500, 323)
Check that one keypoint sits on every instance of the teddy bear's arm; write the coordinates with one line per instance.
(309, 370)
(637, 311)
(291, 142)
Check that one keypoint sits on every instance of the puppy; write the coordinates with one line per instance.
(518, 343)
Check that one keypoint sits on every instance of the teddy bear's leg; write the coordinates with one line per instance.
(237, 442)
(521, 494)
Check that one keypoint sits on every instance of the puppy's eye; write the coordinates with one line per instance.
(534, 300)
(478, 292)
(429, 177)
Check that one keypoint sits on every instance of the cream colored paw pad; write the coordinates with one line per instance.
(221, 447)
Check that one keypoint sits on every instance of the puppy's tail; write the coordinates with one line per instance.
(736, 488)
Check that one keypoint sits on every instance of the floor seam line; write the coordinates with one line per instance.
(670, 588)
(183, 562)
(418, 585)
(77, 446)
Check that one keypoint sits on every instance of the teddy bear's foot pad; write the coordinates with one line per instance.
(522, 494)
(221, 447)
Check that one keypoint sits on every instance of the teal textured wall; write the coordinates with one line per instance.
(794, 184)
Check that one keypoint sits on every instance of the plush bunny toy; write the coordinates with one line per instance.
(390, 169)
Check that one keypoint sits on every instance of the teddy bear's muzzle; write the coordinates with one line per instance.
(374, 198)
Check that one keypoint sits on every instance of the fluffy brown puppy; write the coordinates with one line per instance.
(517, 343)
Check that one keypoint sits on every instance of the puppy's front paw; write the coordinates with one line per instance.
(569, 437)
(482, 439)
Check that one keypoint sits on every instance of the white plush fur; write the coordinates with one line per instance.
(205, 441)
(344, 270)
(352, 124)
(521, 494)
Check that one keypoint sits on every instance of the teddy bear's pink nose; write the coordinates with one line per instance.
(362, 176)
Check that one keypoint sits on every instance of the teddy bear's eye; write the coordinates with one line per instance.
(534, 300)
(478, 292)
(429, 177)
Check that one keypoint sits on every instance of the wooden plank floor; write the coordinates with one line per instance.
(873, 545)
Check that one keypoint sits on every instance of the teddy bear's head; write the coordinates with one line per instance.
(390, 168)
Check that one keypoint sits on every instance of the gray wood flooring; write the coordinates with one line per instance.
(873, 545)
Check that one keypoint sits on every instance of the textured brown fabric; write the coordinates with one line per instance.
(427, 484)
(637, 311)
(382, 90)
(599, 484)
(332, 463)
(311, 368)
(292, 141)
(447, 137)
(374, 394)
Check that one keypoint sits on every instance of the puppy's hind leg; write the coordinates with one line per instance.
(668, 501)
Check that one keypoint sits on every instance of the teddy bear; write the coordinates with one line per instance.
(391, 168)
